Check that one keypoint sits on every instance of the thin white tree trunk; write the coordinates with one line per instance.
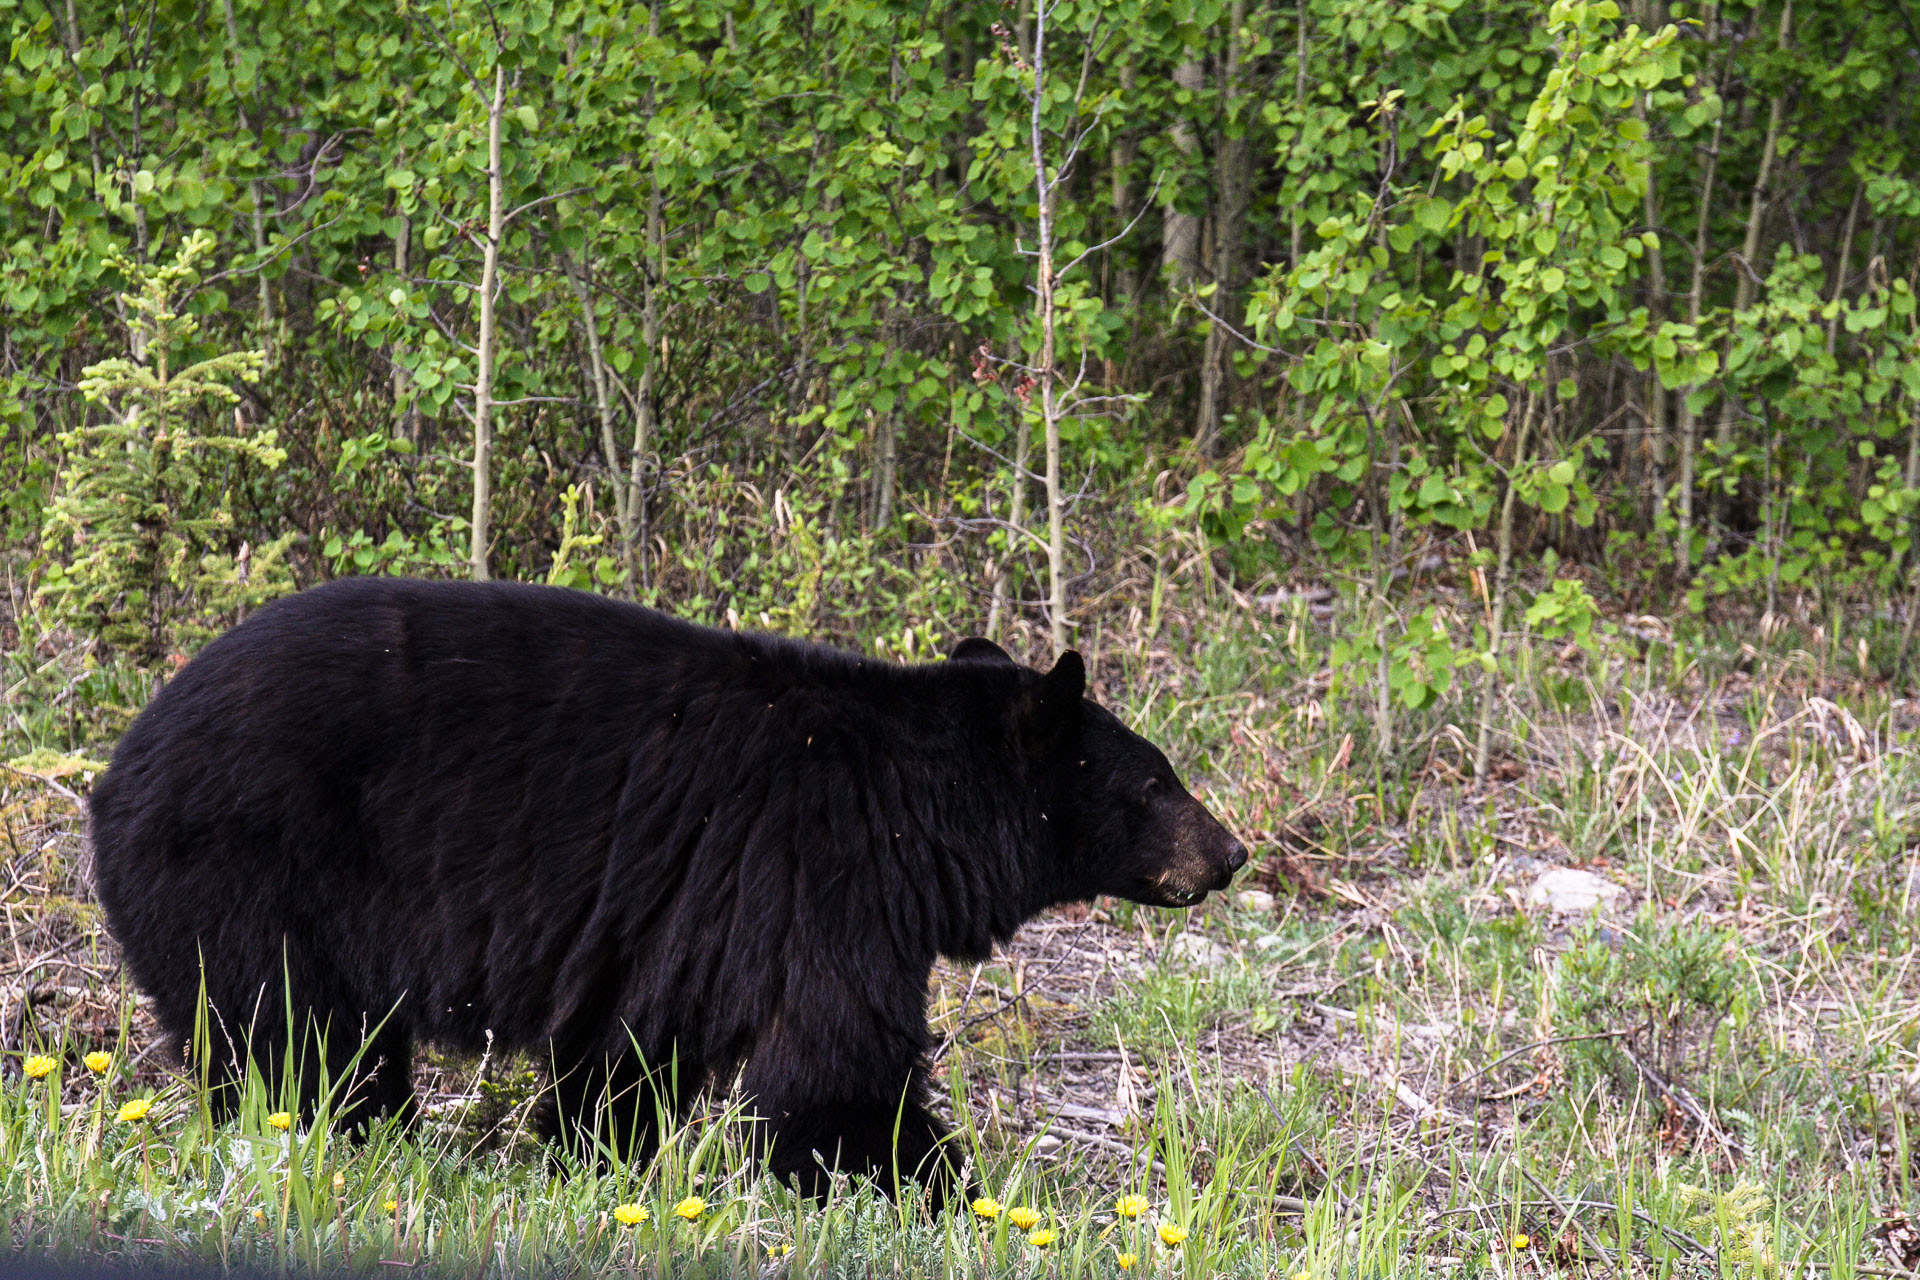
(483, 382)
(1744, 287)
(1180, 242)
(1497, 610)
(1234, 183)
(253, 185)
(1044, 372)
(1689, 421)
(406, 415)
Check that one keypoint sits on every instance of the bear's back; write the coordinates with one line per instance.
(460, 791)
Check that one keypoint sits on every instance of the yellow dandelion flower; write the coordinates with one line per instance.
(986, 1207)
(389, 1206)
(630, 1215)
(1126, 1261)
(1303, 1275)
(1023, 1217)
(691, 1208)
(1041, 1239)
(1130, 1206)
(1171, 1236)
(136, 1109)
(281, 1120)
(779, 1250)
(259, 1215)
(1522, 1240)
(38, 1066)
(339, 1182)
(98, 1061)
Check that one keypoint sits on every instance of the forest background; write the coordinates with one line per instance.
(841, 318)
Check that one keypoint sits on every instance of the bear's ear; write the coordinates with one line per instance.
(1049, 709)
(1062, 688)
(979, 649)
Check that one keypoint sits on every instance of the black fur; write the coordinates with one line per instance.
(447, 810)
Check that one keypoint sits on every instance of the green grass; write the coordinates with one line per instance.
(1395, 1068)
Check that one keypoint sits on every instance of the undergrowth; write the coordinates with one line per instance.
(1380, 1055)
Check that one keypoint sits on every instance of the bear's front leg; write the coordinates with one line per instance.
(861, 1136)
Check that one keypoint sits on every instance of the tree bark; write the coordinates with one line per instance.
(406, 414)
(1300, 111)
(1654, 426)
(603, 404)
(1049, 404)
(1016, 517)
(1497, 610)
(1689, 421)
(1233, 183)
(1745, 287)
(265, 301)
(483, 382)
(1180, 241)
(1121, 158)
(1840, 263)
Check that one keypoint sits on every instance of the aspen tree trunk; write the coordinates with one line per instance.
(1654, 434)
(1299, 109)
(1913, 557)
(1743, 289)
(1233, 182)
(406, 416)
(1762, 190)
(1912, 413)
(1180, 242)
(489, 283)
(1840, 263)
(1126, 149)
(1497, 610)
(1043, 303)
(602, 400)
(1016, 516)
(253, 184)
(885, 446)
(1689, 421)
(634, 549)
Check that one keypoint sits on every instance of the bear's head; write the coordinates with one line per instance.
(1121, 821)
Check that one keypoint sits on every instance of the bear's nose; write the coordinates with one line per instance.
(1236, 856)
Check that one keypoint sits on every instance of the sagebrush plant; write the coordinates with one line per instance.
(139, 537)
(1663, 985)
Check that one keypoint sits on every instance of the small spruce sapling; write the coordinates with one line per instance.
(141, 532)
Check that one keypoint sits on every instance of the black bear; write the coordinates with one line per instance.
(652, 853)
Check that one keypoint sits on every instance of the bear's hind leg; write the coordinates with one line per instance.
(301, 1051)
(609, 1107)
(374, 1081)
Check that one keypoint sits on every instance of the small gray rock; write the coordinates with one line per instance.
(1569, 891)
(1198, 951)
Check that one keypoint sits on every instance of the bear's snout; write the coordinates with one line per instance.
(1232, 859)
(1201, 856)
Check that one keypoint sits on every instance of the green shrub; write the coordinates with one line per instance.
(140, 533)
